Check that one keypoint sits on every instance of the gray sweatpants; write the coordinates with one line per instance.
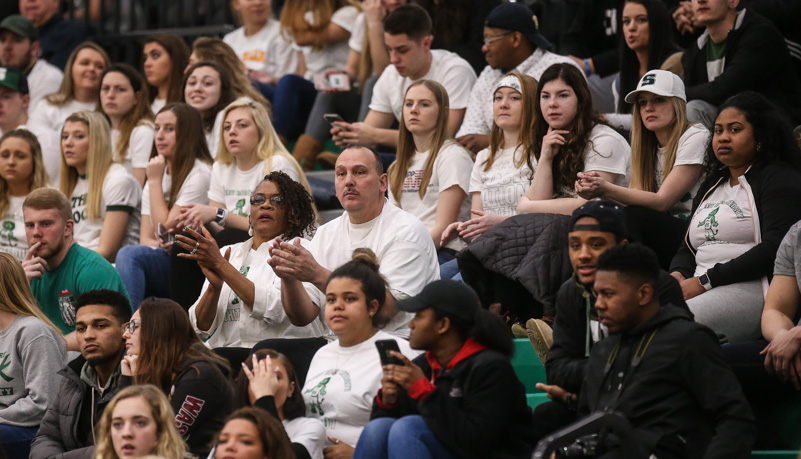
(734, 310)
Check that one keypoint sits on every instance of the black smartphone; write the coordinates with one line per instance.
(384, 346)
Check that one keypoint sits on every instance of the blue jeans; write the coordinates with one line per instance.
(292, 101)
(16, 441)
(401, 438)
(145, 271)
(450, 270)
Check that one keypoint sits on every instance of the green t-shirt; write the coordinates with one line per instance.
(81, 270)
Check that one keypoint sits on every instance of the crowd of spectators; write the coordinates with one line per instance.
(174, 286)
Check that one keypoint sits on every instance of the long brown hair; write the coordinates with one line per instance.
(274, 441)
(190, 145)
(525, 136)
(38, 176)
(66, 92)
(644, 147)
(140, 114)
(179, 57)
(215, 50)
(293, 15)
(226, 91)
(294, 406)
(169, 345)
(406, 147)
(570, 160)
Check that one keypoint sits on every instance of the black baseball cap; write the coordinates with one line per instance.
(610, 215)
(446, 295)
(519, 18)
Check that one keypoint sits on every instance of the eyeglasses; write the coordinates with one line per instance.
(132, 326)
(259, 199)
(488, 40)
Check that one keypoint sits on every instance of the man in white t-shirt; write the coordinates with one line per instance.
(407, 35)
(14, 103)
(19, 47)
(406, 254)
(511, 43)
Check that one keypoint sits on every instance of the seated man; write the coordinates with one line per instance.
(406, 254)
(407, 34)
(57, 36)
(89, 382)
(594, 228)
(739, 50)
(467, 352)
(19, 42)
(59, 269)
(661, 370)
(511, 43)
(14, 104)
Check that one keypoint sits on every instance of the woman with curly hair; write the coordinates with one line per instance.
(743, 209)
(570, 137)
(138, 422)
(240, 303)
(162, 349)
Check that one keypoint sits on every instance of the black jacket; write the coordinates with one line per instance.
(594, 34)
(478, 408)
(776, 188)
(679, 387)
(65, 431)
(756, 59)
(201, 397)
(572, 341)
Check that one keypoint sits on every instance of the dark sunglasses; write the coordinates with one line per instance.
(259, 199)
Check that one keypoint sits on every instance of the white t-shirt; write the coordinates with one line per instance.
(607, 151)
(139, 147)
(43, 79)
(447, 69)
(691, 150)
(240, 325)
(51, 148)
(265, 51)
(478, 116)
(342, 383)
(333, 54)
(53, 116)
(406, 254)
(233, 187)
(12, 232)
(157, 105)
(451, 168)
(357, 34)
(503, 184)
(195, 189)
(722, 227)
(121, 192)
(308, 432)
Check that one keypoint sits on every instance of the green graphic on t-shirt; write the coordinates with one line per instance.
(3, 365)
(709, 224)
(317, 396)
(244, 271)
(8, 233)
(240, 206)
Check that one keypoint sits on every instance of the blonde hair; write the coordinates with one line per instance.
(168, 442)
(98, 161)
(644, 147)
(528, 116)
(66, 91)
(269, 144)
(15, 291)
(38, 177)
(407, 149)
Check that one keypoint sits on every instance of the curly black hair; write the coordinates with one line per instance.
(298, 204)
(773, 134)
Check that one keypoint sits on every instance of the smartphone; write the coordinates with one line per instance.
(331, 117)
(323, 81)
(384, 346)
(163, 235)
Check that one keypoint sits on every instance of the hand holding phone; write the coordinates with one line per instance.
(385, 346)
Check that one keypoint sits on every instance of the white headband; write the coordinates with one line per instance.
(509, 81)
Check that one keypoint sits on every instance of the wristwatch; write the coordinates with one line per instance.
(704, 280)
(220, 218)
